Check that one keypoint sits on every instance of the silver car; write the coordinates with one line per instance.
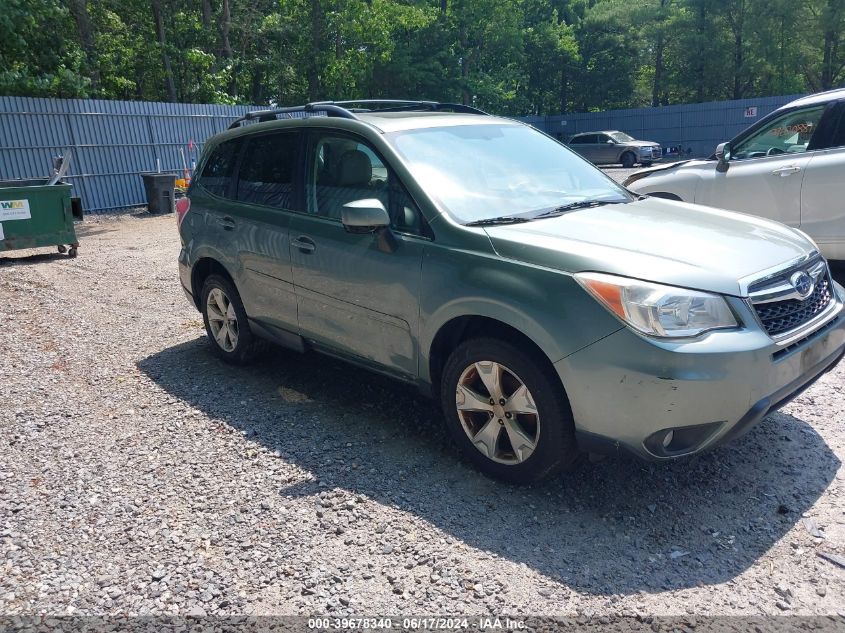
(613, 146)
(787, 167)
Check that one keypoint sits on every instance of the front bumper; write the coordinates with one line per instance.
(651, 156)
(627, 392)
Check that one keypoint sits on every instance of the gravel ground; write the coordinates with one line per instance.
(140, 475)
(619, 173)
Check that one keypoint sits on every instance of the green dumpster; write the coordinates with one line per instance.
(35, 214)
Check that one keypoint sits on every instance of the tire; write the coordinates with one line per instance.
(550, 429)
(236, 345)
(628, 160)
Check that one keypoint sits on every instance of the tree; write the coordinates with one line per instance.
(507, 56)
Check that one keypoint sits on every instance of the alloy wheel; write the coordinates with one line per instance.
(497, 412)
(222, 320)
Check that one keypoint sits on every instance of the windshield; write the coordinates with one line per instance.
(621, 137)
(479, 172)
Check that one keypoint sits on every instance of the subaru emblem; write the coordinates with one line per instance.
(803, 284)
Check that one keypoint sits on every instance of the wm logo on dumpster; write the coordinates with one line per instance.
(14, 210)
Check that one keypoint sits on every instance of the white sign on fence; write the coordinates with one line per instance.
(750, 112)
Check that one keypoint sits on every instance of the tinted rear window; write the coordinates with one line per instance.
(216, 176)
(268, 170)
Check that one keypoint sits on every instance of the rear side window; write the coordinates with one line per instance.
(578, 140)
(268, 170)
(216, 176)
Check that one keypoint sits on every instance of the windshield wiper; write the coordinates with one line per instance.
(572, 206)
(502, 219)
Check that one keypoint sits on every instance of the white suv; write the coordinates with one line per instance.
(790, 167)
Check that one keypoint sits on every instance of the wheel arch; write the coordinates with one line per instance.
(201, 270)
(465, 327)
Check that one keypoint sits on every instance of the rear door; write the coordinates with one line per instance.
(583, 145)
(267, 188)
(589, 149)
(606, 149)
(356, 298)
(823, 188)
(766, 169)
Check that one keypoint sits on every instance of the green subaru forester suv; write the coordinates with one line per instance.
(550, 310)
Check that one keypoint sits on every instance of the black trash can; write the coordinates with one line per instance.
(159, 188)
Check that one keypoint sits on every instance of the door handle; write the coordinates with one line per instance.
(227, 223)
(304, 244)
(783, 172)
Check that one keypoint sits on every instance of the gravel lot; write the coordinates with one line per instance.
(619, 173)
(141, 475)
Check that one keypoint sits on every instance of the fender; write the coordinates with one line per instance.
(546, 306)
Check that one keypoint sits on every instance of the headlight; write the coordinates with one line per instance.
(657, 310)
(645, 150)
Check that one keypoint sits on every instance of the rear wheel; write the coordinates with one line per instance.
(226, 323)
(506, 411)
(628, 160)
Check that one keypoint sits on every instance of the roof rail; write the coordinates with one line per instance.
(347, 109)
(404, 105)
(271, 115)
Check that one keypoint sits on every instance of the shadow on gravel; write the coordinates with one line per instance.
(28, 260)
(616, 527)
(89, 230)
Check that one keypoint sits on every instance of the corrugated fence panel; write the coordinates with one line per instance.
(111, 142)
(696, 127)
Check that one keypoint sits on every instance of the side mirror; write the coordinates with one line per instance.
(364, 216)
(369, 216)
(611, 142)
(723, 155)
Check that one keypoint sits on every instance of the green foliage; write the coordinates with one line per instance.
(507, 56)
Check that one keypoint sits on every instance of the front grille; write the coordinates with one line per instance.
(783, 316)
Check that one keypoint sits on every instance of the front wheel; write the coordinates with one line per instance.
(628, 160)
(226, 322)
(506, 411)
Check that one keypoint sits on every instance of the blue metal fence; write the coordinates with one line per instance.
(111, 142)
(696, 127)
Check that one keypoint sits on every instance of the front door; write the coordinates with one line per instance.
(766, 169)
(356, 297)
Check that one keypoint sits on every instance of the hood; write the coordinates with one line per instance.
(656, 240)
(644, 173)
(641, 144)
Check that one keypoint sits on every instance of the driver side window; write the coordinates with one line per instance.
(346, 170)
(788, 134)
